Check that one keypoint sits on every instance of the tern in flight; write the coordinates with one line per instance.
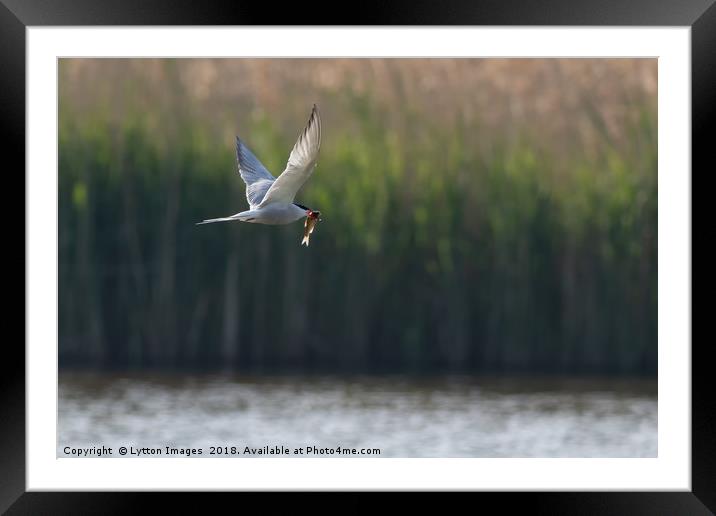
(270, 198)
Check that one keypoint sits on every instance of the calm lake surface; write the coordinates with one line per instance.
(400, 416)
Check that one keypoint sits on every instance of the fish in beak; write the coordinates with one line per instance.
(312, 218)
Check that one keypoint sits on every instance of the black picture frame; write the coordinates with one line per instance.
(17, 15)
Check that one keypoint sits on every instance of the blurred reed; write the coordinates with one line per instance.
(479, 215)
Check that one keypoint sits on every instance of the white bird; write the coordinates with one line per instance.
(271, 199)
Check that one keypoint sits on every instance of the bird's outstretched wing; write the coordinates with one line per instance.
(300, 164)
(258, 180)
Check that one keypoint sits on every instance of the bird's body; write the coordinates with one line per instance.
(271, 199)
(272, 214)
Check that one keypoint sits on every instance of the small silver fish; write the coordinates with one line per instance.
(309, 224)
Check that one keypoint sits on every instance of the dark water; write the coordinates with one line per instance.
(402, 417)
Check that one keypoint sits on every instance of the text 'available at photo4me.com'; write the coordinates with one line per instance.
(216, 451)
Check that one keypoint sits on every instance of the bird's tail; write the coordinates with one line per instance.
(244, 216)
(209, 221)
